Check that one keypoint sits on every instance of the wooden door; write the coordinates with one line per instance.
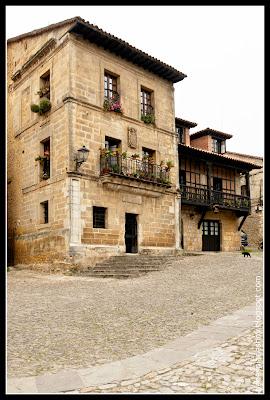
(131, 239)
(210, 235)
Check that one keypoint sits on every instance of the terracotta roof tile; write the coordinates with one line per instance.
(217, 156)
(209, 131)
(185, 122)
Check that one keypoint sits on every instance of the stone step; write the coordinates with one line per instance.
(123, 271)
(128, 266)
(115, 275)
(142, 257)
(133, 263)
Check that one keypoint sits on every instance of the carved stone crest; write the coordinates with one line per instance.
(132, 137)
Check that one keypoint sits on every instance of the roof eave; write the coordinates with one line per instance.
(126, 51)
(219, 158)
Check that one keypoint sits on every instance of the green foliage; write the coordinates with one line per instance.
(169, 164)
(35, 108)
(148, 118)
(44, 106)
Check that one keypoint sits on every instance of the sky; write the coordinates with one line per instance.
(219, 48)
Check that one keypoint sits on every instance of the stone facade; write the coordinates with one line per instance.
(77, 118)
(192, 236)
(253, 225)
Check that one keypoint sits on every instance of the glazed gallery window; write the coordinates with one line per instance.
(99, 217)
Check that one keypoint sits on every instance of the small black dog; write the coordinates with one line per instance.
(246, 253)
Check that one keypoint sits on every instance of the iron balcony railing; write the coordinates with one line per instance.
(203, 196)
(134, 168)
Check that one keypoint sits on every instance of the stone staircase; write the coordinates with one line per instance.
(130, 266)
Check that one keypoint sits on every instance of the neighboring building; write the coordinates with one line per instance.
(114, 100)
(213, 209)
(253, 226)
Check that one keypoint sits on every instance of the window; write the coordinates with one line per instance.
(110, 85)
(146, 106)
(44, 90)
(44, 212)
(180, 132)
(218, 146)
(45, 163)
(148, 154)
(193, 172)
(243, 190)
(227, 179)
(99, 214)
(112, 144)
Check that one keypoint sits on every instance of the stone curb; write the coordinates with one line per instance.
(131, 368)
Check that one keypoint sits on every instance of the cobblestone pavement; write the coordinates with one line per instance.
(57, 322)
(227, 368)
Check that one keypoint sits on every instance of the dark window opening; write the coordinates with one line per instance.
(112, 144)
(218, 146)
(44, 90)
(45, 164)
(182, 177)
(244, 190)
(44, 212)
(148, 154)
(110, 85)
(146, 102)
(99, 215)
(217, 184)
(180, 133)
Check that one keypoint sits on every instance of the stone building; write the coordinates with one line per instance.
(98, 165)
(92, 148)
(213, 209)
(253, 225)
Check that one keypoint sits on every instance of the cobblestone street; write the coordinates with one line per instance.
(227, 368)
(58, 322)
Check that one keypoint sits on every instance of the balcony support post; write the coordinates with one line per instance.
(248, 187)
(201, 218)
(209, 176)
(242, 221)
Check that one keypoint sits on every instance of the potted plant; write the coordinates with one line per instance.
(43, 107)
(113, 104)
(124, 155)
(148, 118)
(169, 165)
(135, 156)
(43, 91)
(40, 158)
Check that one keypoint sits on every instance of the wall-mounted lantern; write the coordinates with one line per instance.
(81, 156)
(215, 208)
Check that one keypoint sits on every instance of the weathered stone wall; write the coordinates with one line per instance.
(77, 118)
(230, 236)
(253, 225)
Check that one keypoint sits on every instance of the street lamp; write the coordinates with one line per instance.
(81, 156)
